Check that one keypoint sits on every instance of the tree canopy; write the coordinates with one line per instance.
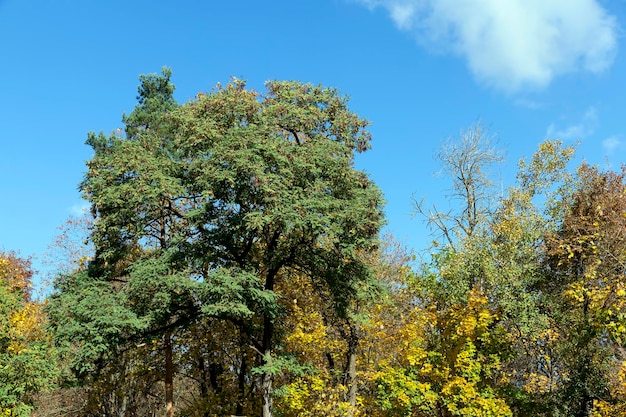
(207, 210)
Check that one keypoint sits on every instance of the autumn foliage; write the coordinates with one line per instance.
(27, 363)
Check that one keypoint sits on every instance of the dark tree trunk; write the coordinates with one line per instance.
(241, 384)
(350, 379)
(204, 385)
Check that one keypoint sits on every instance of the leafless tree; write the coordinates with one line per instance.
(468, 161)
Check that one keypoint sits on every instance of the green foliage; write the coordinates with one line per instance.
(234, 294)
(88, 319)
(156, 98)
(203, 211)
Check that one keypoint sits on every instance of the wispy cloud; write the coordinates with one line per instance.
(612, 144)
(576, 131)
(512, 44)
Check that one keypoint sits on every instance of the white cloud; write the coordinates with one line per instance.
(577, 131)
(612, 144)
(512, 44)
(402, 15)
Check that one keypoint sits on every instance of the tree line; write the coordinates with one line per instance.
(234, 266)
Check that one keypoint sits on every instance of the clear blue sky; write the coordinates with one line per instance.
(419, 70)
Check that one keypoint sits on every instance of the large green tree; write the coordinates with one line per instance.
(276, 193)
(207, 209)
(137, 210)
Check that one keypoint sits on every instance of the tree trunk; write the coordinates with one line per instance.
(204, 378)
(350, 373)
(169, 375)
(266, 380)
(204, 383)
(266, 387)
(352, 388)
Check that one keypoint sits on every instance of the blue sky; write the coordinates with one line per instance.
(419, 70)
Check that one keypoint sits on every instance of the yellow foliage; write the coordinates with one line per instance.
(314, 396)
(538, 383)
(309, 336)
(605, 409)
(318, 392)
(454, 377)
(26, 326)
